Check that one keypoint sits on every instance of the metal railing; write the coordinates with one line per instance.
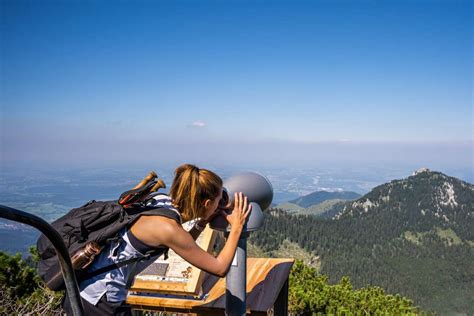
(66, 267)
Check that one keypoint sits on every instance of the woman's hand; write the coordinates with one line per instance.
(241, 211)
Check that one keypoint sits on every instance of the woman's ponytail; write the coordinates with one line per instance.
(191, 187)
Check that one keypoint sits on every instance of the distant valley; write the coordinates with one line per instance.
(320, 203)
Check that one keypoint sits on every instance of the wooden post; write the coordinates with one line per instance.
(281, 304)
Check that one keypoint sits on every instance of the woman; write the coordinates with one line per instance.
(195, 193)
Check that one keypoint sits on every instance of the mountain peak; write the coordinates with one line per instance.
(424, 194)
(423, 169)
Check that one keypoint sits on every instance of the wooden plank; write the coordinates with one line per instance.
(265, 280)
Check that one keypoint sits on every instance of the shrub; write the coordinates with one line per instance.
(310, 294)
(21, 289)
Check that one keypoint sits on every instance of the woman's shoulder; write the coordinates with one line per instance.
(161, 223)
(155, 230)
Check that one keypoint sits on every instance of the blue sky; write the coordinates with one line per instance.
(244, 81)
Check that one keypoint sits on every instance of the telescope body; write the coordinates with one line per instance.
(259, 192)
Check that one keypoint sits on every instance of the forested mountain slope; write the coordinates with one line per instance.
(412, 236)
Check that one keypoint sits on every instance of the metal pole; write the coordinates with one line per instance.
(236, 279)
(63, 254)
(280, 308)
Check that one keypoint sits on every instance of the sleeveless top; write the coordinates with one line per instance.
(114, 283)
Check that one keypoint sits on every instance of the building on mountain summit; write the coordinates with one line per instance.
(420, 171)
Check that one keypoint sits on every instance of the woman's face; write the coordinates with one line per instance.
(210, 206)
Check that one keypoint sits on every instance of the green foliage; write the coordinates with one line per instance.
(310, 293)
(22, 292)
(21, 289)
(16, 277)
(34, 255)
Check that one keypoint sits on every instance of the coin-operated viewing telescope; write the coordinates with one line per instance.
(259, 192)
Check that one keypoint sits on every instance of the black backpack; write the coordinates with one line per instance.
(100, 222)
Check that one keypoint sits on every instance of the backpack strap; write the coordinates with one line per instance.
(165, 212)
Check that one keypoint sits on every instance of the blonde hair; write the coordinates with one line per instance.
(190, 189)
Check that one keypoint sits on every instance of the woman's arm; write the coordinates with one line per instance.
(184, 245)
(176, 238)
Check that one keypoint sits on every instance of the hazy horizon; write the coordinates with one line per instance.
(244, 83)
